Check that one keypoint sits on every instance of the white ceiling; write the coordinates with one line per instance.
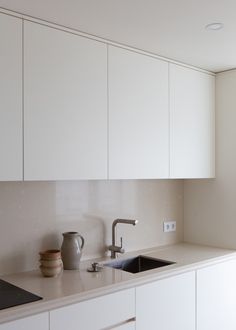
(171, 28)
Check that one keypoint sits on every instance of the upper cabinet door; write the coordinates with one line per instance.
(138, 116)
(65, 105)
(10, 98)
(192, 98)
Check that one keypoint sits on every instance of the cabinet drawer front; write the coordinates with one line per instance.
(98, 313)
(36, 322)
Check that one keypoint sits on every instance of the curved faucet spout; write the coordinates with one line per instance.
(127, 221)
(114, 248)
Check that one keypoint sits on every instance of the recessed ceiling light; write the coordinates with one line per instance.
(214, 26)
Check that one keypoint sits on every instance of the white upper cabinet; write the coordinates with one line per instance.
(10, 98)
(192, 98)
(65, 128)
(138, 116)
(96, 111)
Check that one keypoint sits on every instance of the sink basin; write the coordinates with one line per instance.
(138, 264)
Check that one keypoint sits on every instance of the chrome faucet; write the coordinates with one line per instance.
(114, 248)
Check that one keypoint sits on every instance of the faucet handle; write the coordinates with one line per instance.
(121, 246)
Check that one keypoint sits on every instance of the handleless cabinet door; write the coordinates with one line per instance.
(216, 292)
(138, 116)
(10, 98)
(192, 124)
(167, 304)
(35, 322)
(65, 105)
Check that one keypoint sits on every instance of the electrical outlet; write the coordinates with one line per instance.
(169, 226)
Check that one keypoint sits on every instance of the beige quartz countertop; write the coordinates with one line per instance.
(75, 286)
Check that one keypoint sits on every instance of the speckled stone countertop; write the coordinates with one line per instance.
(75, 286)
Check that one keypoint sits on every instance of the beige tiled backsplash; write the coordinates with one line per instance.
(34, 214)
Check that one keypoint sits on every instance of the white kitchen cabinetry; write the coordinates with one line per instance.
(192, 103)
(138, 116)
(36, 322)
(167, 304)
(10, 98)
(126, 326)
(161, 124)
(216, 292)
(65, 105)
(99, 313)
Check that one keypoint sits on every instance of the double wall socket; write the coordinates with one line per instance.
(169, 226)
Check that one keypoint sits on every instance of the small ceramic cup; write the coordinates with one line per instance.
(50, 263)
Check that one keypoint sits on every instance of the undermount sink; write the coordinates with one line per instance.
(138, 264)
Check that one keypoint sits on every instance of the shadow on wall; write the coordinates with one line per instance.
(13, 262)
(91, 227)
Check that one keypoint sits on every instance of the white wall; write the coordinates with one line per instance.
(210, 205)
(34, 214)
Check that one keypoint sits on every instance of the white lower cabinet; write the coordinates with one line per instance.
(167, 304)
(106, 312)
(35, 322)
(216, 296)
(126, 326)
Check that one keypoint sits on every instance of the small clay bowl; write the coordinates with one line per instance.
(50, 255)
(51, 271)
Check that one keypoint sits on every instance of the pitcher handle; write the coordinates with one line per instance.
(82, 241)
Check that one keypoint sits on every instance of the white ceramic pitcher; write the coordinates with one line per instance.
(71, 249)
